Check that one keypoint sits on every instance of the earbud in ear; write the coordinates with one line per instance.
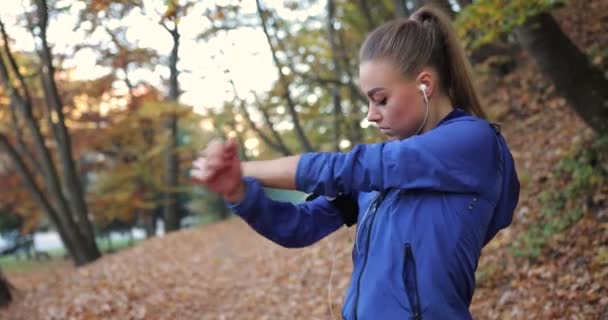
(422, 87)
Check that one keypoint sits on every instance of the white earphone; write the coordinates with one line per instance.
(423, 88)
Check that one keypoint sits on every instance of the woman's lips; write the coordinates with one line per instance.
(384, 130)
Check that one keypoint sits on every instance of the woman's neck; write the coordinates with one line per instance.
(439, 108)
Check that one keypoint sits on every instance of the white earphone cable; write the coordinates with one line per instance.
(331, 274)
(426, 114)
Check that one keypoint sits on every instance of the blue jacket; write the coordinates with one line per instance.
(427, 205)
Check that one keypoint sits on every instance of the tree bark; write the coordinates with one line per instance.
(76, 200)
(291, 106)
(6, 291)
(582, 85)
(171, 211)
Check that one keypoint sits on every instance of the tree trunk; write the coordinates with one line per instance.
(355, 96)
(72, 183)
(171, 212)
(149, 219)
(582, 85)
(337, 71)
(6, 291)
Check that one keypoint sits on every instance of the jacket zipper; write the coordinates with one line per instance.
(414, 300)
(377, 200)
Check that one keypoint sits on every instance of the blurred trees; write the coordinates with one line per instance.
(125, 57)
(117, 148)
(314, 104)
(17, 210)
(127, 182)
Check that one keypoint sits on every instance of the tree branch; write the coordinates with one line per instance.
(13, 62)
(278, 146)
(26, 176)
(285, 84)
(319, 80)
(36, 192)
(21, 145)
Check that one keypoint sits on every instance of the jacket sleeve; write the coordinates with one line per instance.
(459, 156)
(289, 225)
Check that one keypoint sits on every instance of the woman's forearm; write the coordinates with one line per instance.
(278, 173)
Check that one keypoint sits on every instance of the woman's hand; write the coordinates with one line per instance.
(219, 169)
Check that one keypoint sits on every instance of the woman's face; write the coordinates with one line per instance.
(396, 104)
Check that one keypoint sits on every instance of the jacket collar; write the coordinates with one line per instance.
(456, 113)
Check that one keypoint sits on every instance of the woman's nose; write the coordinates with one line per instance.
(373, 114)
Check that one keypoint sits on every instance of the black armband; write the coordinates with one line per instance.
(346, 205)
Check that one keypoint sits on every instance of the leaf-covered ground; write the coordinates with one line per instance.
(226, 271)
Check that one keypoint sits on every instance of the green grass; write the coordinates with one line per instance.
(13, 264)
(116, 245)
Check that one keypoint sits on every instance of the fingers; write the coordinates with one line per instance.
(231, 149)
(200, 171)
(214, 159)
(214, 154)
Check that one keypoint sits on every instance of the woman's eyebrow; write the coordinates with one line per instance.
(373, 91)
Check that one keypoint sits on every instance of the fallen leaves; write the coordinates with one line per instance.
(224, 271)
(227, 271)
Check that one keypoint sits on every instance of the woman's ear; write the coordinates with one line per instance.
(426, 78)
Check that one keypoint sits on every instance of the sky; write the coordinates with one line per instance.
(244, 52)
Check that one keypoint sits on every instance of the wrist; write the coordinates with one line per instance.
(246, 168)
(237, 195)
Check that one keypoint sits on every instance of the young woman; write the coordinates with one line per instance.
(425, 202)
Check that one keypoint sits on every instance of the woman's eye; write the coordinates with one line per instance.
(381, 102)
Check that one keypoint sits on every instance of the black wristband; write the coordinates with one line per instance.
(346, 205)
